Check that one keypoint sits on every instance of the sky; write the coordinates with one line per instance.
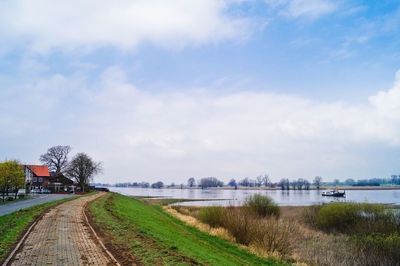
(167, 90)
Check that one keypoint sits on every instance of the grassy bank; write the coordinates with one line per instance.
(145, 233)
(331, 234)
(13, 225)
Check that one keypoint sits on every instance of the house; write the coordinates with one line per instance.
(36, 177)
(60, 183)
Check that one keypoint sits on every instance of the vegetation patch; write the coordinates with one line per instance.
(373, 229)
(255, 225)
(153, 236)
(262, 205)
(214, 216)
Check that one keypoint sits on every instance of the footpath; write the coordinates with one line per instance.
(62, 237)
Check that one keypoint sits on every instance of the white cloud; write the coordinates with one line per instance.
(71, 24)
(156, 135)
(309, 9)
(387, 103)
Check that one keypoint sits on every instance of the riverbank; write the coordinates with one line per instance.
(278, 188)
(334, 234)
(140, 233)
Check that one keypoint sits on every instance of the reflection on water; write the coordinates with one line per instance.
(283, 198)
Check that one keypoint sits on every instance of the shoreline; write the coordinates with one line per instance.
(278, 188)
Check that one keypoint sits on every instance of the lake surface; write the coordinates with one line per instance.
(283, 198)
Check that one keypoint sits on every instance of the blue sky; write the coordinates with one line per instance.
(172, 89)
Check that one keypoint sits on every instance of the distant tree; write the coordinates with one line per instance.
(191, 182)
(318, 182)
(336, 182)
(232, 183)
(145, 185)
(82, 169)
(12, 177)
(282, 184)
(56, 158)
(306, 185)
(394, 179)
(210, 182)
(158, 184)
(300, 183)
(350, 181)
(245, 182)
(259, 180)
(294, 184)
(265, 180)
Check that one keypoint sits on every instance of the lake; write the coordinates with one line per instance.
(283, 198)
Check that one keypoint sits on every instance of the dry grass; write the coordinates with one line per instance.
(305, 245)
(190, 220)
(266, 237)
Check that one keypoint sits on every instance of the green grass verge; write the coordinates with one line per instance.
(14, 224)
(14, 200)
(152, 236)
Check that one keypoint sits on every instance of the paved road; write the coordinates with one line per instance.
(16, 206)
(62, 237)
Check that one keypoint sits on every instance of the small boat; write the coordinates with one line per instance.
(334, 193)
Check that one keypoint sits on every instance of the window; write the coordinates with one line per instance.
(34, 179)
(40, 179)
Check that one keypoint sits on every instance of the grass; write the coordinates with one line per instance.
(255, 225)
(13, 225)
(372, 230)
(290, 232)
(14, 200)
(149, 235)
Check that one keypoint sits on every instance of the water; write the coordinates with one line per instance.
(283, 198)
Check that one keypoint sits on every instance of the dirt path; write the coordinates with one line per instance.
(62, 237)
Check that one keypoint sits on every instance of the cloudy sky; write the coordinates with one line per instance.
(165, 90)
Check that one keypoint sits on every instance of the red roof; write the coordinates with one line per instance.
(39, 170)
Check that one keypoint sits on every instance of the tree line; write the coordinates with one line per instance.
(80, 169)
(265, 181)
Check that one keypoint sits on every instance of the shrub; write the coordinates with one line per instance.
(264, 235)
(352, 218)
(273, 236)
(240, 223)
(262, 205)
(310, 214)
(378, 249)
(213, 215)
(340, 217)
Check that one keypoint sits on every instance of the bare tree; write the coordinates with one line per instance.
(282, 184)
(306, 185)
(245, 182)
(191, 182)
(266, 180)
(318, 182)
(300, 183)
(82, 168)
(210, 182)
(56, 158)
(259, 181)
